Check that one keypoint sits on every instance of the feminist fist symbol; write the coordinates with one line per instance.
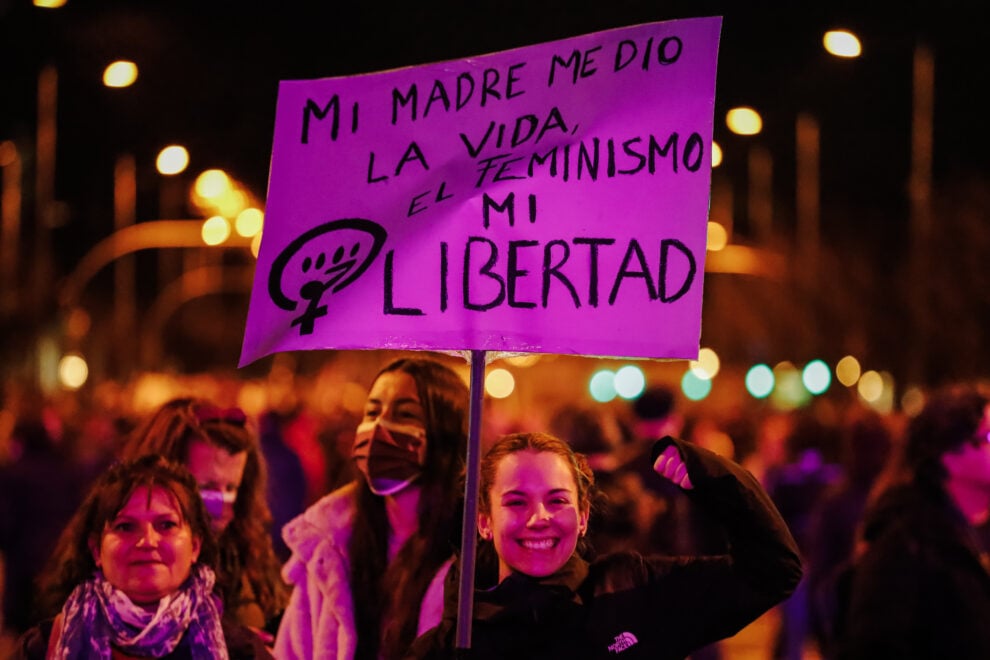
(365, 240)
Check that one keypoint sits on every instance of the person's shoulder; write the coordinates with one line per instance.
(330, 516)
(33, 643)
(243, 643)
(319, 540)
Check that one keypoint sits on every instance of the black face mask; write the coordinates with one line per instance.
(390, 456)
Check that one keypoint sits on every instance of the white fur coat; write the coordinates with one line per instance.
(319, 620)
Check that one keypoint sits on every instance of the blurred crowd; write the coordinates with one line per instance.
(819, 464)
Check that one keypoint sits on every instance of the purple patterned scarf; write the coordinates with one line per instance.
(97, 616)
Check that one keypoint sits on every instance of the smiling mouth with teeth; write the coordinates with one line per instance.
(538, 544)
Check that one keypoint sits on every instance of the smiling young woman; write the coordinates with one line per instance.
(534, 503)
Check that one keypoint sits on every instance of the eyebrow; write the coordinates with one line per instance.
(552, 491)
(398, 402)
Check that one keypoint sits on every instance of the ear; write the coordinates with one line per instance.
(583, 521)
(485, 526)
(197, 545)
(94, 549)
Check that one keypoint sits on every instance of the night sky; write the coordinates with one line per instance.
(209, 72)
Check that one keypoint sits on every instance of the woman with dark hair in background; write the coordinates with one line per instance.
(369, 559)
(132, 575)
(224, 457)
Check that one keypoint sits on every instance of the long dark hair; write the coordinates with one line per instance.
(72, 561)
(246, 544)
(391, 593)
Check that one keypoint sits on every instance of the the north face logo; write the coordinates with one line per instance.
(622, 642)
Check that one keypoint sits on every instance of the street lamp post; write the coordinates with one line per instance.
(10, 225)
(920, 197)
(44, 201)
(124, 215)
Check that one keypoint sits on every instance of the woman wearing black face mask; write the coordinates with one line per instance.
(368, 560)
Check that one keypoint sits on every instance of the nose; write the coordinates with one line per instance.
(540, 516)
(148, 538)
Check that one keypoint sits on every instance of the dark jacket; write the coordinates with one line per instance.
(242, 643)
(921, 590)
(656, 607)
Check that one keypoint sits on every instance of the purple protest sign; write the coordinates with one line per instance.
(548, 199)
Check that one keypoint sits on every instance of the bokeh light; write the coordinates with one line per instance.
(629, 382)
(173, 159)
(816, 376)
(789, 391)
(744, 121)
(693, 387)
(216, 230)
(718, 238)
(523, 361)
(716, 154)
(249, 222)
(121, 73)
(912, 401)
(847, 371)
(842, 43)
(870, 386)
(73, 371)
(759, 381)
(212, 183)
(602, 386)
(499, 383)
(707, 364)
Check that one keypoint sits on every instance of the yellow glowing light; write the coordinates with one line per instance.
(50, 4)
(121, 73)
(707, 364)
(870, 386)
(256, 245)
(216, 230)
(231, 203)
(527, 360)
(716, 154)
(499, 383)
(173, 159)
(249, 222)
(73, 371)
(744, 121)
(252, 398)
(212, 183)
(718, 238)
(913, 401)
(842, 43)
(847, 371)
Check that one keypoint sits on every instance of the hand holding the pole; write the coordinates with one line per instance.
(670, 465)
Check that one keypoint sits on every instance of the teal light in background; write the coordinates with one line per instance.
(602, 386)
(817, 377)
(629, 382)
(693, 387)
(759, 381)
